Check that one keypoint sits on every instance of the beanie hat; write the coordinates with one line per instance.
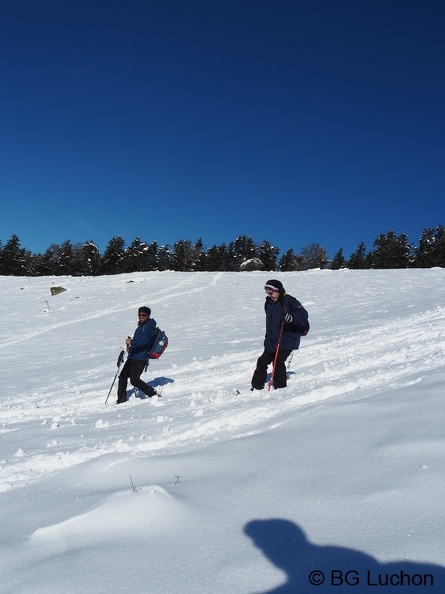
(145, 310)
(276, 285)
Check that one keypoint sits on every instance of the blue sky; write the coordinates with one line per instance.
(292, 121)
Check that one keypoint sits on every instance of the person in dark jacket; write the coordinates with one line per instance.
(282, 312)
(137, 349)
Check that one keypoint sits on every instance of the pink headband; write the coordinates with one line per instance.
(272, 288)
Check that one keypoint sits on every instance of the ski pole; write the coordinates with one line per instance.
(276, 355)
(119, 361)
(290, 360)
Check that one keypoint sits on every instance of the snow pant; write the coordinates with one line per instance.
(132, 371)
(260, 373)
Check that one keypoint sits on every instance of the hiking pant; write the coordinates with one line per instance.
(260, 373)
(132, 371)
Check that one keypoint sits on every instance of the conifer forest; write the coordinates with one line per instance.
(389, 250)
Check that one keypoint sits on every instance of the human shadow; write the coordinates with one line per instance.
(162, 381)
(289, 374)
(329, 568)
(155, 383)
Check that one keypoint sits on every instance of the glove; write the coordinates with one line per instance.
(288, 318)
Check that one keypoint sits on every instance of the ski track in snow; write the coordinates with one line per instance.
(124, 306)
(206, 391)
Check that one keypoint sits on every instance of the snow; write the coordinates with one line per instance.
(213, 488)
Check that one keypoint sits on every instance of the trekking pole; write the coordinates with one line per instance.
(119, 361)
(290, 360)
(276, 356)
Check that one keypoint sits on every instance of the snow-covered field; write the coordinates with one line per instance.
(213, 488)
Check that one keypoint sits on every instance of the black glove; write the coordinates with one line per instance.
(288, 318)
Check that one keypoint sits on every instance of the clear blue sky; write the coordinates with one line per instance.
(296, 121)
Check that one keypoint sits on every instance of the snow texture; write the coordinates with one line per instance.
(333, 484)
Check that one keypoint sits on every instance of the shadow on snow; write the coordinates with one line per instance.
(329, 568)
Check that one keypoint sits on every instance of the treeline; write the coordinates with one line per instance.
(389, 251)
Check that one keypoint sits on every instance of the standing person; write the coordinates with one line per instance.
(137, 349)
(280, 308)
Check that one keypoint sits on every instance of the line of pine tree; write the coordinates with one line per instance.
(389, 251)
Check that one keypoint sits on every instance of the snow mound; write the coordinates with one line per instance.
(137, 511)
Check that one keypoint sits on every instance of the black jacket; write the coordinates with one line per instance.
(275, 313)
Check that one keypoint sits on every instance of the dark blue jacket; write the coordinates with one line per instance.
(141, 340)
(275, 312)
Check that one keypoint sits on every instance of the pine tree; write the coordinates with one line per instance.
(213, 261)
(90, 259)
(338, 260)
(217, 258)
(182, 256)
(46, 263)
(431, 249)
(15, 260)
(152, 256)
(289, 262)
(357, 260)
(267, 254)
(391, 251)
(136, 256)
(199, 257)
(77, 266)
(164, 257)
(113, 260)
(36, 265)
(64, 259)
(242, 249)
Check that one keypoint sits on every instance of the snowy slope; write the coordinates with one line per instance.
(213, 488)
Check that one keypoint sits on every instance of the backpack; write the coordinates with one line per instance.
(158, 344)
(301, 330)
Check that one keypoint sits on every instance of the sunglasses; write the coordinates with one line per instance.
(142, 315)
(270, 291)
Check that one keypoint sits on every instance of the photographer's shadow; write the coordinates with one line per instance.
(309, 567)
